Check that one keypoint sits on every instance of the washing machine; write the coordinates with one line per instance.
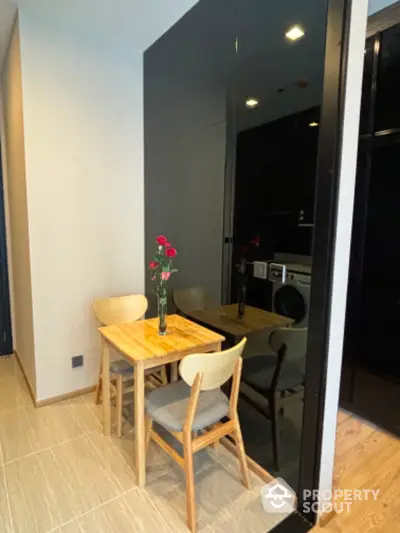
(291, 293)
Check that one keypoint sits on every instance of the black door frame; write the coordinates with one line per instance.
(6, 341)
(326, 209)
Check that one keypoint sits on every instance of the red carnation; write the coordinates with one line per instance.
(170, 252)
(153, 265)
(162, 241)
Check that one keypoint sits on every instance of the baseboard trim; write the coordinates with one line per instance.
(326, 517)
(54, 399)
(253, 466)
(31, 392)
(66, 396)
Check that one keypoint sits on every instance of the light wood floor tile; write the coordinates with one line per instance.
(34, 507)
(218, 492)
(247, 515)
(82, 412)
(70, 528)
(13, 394)
(14, 435)
(8, 367)
(5, 522)
(132, 513)
(28, 430)
(113, 464)
(83, 478)
(56, 485)
(97, 409)
(158, 462)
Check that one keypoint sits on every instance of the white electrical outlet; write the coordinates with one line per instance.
(260, 270)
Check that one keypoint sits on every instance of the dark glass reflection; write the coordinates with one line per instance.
(228, 182)
(369, 360)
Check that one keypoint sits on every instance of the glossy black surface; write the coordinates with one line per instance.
(373, 308)
(198, 131)
(388, 81)
(6, 342)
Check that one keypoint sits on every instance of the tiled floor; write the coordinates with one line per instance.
(59, 474)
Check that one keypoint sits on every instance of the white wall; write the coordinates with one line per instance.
(13, 159)
(343, 236)
(84, 165)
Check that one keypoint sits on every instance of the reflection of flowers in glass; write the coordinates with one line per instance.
(256, 241)
(165, 276)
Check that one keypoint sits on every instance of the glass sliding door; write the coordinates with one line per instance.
(242, 121)
(278, 87)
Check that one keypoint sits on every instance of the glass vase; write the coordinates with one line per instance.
(162, 313)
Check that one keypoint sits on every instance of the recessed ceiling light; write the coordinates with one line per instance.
(294, 33)
(313, 124)
(251, 103)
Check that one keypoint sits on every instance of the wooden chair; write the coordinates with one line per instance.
(120, 310)
(271, 382)
(191, 410)
(190, 299)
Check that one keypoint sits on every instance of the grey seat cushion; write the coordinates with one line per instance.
(121, 367)
(124, 367)
(259, 370)
(167, 406)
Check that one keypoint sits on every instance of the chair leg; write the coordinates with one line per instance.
(164, 376)
(282, 409)
(98, 388)
(119, 399)
(149, 427)
(174, 372)
(273, 407)
(189, 477)
(241, 453)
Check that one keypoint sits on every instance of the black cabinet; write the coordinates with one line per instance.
(387, 114)
(371, 361)
(380, 300)
(275, 183)
(369, 59)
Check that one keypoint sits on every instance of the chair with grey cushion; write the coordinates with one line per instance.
(192, 409)
(121, 310)
(270, 382)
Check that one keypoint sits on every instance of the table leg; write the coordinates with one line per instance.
(174, 371)
(140, 444)
(105, 371)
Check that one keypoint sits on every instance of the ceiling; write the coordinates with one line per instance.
(136, 23)
(243, 54)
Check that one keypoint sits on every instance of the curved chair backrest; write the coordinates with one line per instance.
(191, 299)
(120, 309)
(294, 340)
(216, 368)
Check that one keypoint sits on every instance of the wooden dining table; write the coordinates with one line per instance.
(226, 320)
(140, 344)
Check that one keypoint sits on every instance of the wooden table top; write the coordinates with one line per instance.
(225, 318)
(140, 341)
